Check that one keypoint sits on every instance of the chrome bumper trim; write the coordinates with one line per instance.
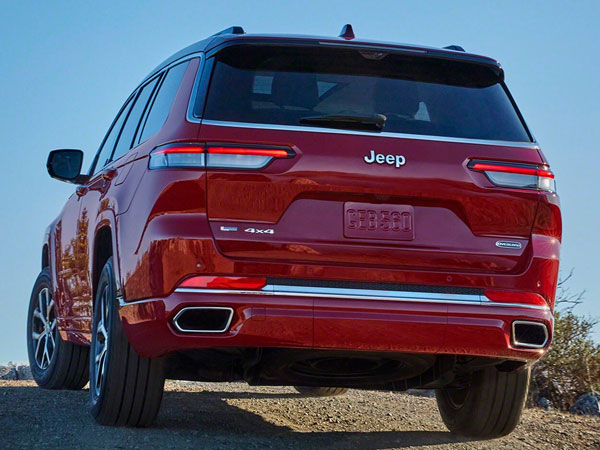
(365, 294)
(122, 302)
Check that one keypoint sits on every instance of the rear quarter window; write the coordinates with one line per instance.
(163, 101)
(131, 124)
(105, 152)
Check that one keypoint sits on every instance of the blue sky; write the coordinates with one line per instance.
(66, 68)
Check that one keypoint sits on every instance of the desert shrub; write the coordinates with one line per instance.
(572, 365)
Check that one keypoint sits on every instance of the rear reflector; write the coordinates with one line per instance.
(216, 282)
(516, 175)
(528, 298)
(218, 156)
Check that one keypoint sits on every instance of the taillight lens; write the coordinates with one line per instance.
(216, 282)
(516, 175)
(528, 298)
(177, 155)
(217, 156)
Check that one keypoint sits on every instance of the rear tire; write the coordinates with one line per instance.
(490, 407)
(125, 388)
(311, 391)
(54, 363)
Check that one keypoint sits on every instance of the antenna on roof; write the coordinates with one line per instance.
(457, 48)
(347, 32)
(231, 30)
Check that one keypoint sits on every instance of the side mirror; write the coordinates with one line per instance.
(65, 165)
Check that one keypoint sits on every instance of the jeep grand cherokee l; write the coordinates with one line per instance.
(327, 213)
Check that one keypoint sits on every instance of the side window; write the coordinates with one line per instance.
(109, 143)
(163, 101)
(133, 120)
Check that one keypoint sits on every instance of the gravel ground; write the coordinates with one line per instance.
(235, 415)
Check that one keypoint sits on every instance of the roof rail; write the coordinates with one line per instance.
(457, 48)
(347, 32)
(231, 30)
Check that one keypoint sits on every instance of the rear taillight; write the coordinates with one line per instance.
(516, 175)
(217, 156)
(177, 155)
(217, 282)
(528, 298)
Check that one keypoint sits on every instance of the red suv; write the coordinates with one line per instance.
(327, 213)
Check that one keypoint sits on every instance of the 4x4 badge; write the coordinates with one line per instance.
(380, 158)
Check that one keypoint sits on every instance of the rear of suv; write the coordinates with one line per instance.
(327, 213)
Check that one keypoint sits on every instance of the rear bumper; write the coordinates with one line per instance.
(409, 323)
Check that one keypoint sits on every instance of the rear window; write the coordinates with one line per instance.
(417, 95)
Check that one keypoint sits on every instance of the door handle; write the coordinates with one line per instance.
(109, 174)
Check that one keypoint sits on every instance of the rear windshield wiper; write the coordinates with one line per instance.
(371, 122)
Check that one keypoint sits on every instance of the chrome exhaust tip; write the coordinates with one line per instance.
(526, 334)
(203, 319)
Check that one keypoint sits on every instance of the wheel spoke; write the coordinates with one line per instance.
(51, 335)
(38, 315)
(104, 306)
(38, 346)
(43, 329)
(100, 354)
(41, 306)
(45, 355)
(102, 364)
(101, 341)
(102, 330)
(98, 382)
(99, 372)
(50, 306)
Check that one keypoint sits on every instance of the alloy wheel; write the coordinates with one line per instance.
(43, 329)
(100, 353)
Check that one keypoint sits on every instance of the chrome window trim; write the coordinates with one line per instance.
(423, 137)
(163, 73)
(187, 308)
(134, 94)
(174, 63)
(189, 114)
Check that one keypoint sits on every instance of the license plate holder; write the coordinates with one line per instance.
(379, 221)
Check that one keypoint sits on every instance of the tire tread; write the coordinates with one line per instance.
(133, 392)
(69, 368)
(492, 407)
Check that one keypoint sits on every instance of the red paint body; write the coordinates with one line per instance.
(165, 226)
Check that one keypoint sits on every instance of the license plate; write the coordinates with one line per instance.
(368, 221)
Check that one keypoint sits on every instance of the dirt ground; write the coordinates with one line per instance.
(235, 415)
